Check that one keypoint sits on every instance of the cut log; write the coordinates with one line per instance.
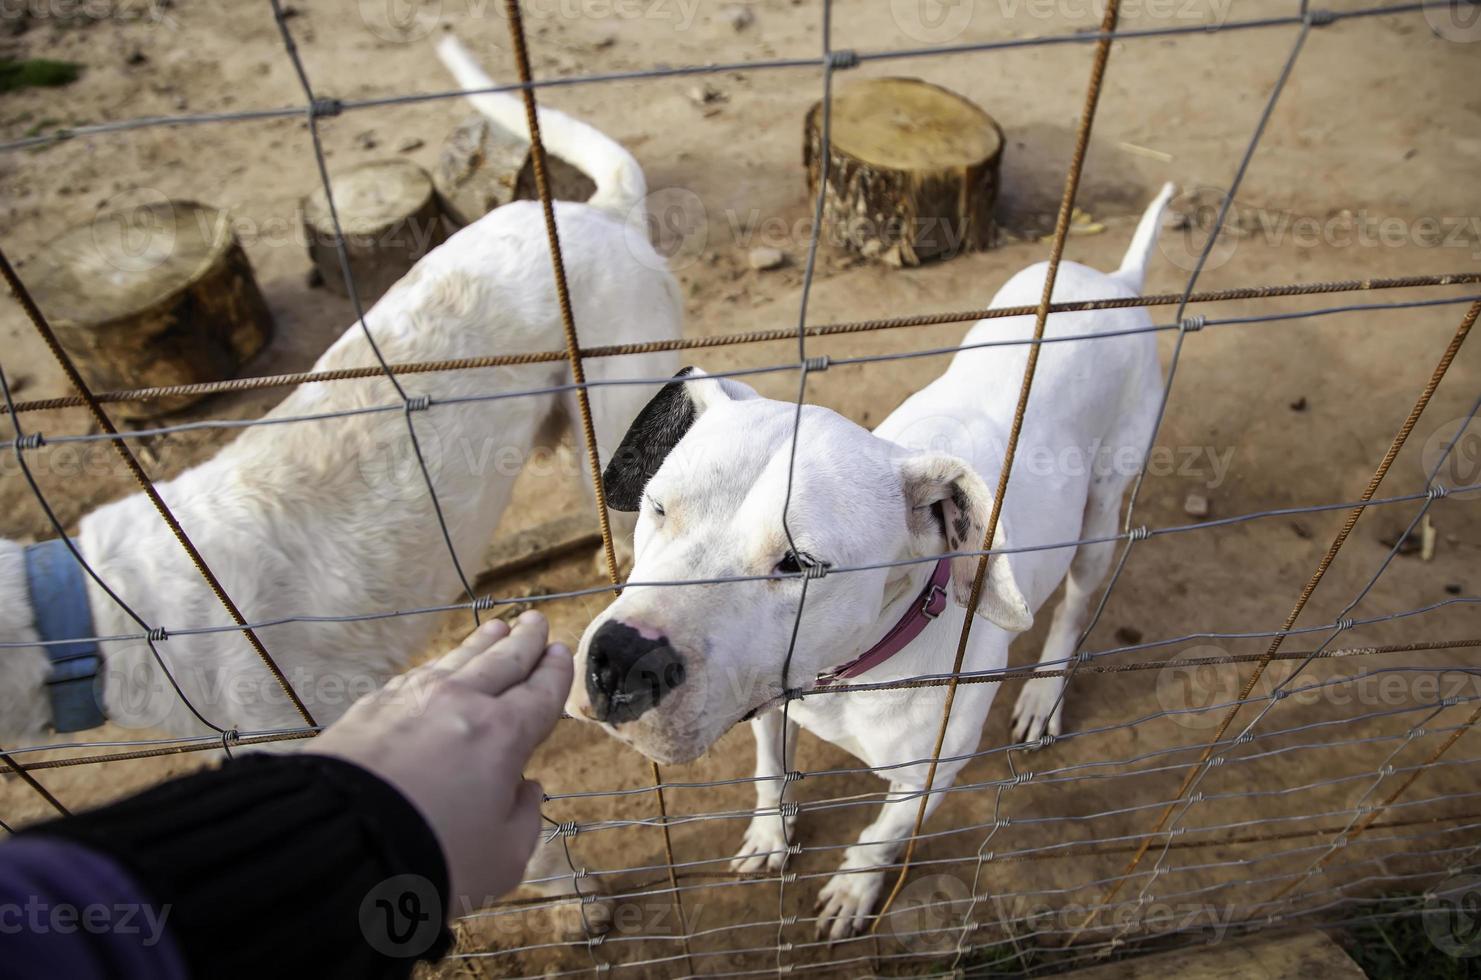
(912, 171)
(150, 296)
(390, 216)
(483, 166)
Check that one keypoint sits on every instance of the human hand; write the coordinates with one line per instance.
(453, 736)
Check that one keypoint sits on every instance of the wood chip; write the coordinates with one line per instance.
(762, 258)
(1145, 151)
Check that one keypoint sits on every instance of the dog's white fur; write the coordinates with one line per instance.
(333, 517)
(919, 485)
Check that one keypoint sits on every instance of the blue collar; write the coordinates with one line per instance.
(59, 603)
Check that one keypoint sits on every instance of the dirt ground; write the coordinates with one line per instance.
(1378, 130)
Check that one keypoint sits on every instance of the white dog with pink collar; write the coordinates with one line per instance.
(709, 465)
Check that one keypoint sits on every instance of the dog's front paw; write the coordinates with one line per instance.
(1038, 709)
(765, 846)
(845, 904)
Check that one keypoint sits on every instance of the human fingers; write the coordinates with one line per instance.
(534, 706)
(473, 644)
(502, 665)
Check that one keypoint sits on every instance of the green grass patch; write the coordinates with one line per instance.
(37, 73)
(1399, 948)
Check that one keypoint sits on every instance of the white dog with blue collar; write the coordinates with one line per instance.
(332, 517)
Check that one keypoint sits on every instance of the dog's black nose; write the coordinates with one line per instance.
(627, 673)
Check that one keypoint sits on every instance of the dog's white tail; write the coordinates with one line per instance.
(620, 184)
(1134, 266)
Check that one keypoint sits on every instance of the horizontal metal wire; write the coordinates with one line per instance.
(38, 439)
(814, 807)
(333, 107)
(487, 602)
(1254, 834)
(1056, 851)
(162, 747)
(1004, 922)
(824, 330)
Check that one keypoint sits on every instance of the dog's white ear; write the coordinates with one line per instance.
(949, 507)
(658, 429)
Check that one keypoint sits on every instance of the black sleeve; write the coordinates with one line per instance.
(281, 865)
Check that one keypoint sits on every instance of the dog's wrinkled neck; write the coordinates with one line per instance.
(900, 591)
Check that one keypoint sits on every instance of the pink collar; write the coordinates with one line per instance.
(927, 606)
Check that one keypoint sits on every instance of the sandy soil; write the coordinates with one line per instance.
(1378, 126)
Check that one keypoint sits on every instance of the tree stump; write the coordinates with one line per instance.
(151, 296)
(390, 217)
(483, 166)
(912, 171)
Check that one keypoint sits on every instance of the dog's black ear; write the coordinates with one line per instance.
(652, 436)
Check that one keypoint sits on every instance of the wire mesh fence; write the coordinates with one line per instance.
(1012, 874)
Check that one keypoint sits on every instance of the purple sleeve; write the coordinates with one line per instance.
(67, 911)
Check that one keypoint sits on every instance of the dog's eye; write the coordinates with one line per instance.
(657, 507)
(794, 563)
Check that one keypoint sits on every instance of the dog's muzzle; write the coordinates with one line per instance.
(64, 621)
(627, 673)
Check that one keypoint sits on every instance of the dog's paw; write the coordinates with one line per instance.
(765, 846)
(1038, 710)
(845, 904)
